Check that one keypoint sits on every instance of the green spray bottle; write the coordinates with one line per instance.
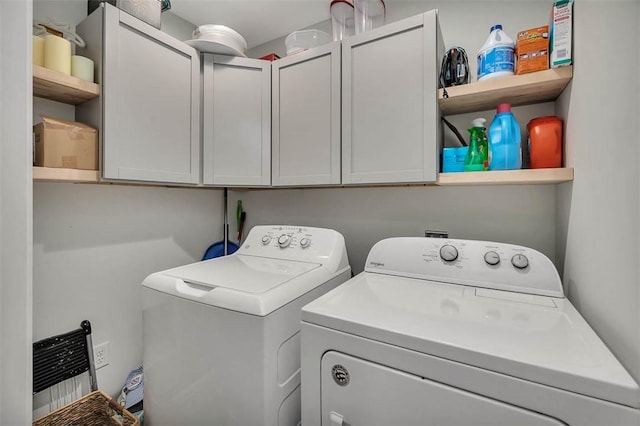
(477, 158)
(473, 160)
(483, 141)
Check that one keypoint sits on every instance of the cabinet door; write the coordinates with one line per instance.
(151, 101)
(306, 117)
(236, 121)
(390, 115)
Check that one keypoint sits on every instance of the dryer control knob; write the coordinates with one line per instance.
(266, 239)
(520, 261)
(492, 258)
(448, 253)
(284, 240)
(304, 242)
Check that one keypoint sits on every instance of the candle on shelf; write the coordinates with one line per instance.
(38, 51)
(82, 67)
(57, 54)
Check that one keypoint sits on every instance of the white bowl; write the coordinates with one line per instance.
(218, 39)
(299, 41)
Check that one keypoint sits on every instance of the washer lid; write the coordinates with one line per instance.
(537, 338)
(248, 284)
(249, 274)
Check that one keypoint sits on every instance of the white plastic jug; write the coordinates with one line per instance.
(496, 57)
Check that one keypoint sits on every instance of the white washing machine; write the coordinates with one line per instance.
(222, 336)
(456, 332)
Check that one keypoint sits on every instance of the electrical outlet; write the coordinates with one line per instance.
(436, 234)
(101, 355)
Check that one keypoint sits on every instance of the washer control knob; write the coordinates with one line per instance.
(492, 258)
(448, 253)
(520, 261)
(304, 242)
(284, 240)
(266, 239)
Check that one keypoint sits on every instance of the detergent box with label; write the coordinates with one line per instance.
(560, 33)
(532, 50)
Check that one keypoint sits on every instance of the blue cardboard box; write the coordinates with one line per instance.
(453, 159)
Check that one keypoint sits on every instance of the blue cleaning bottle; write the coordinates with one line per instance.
(505, 151)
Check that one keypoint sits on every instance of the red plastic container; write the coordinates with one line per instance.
(270, 57)
(545, 142)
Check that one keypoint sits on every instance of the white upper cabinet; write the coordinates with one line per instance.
(390, 114)
(148, 114)
(306, 117)
(236, 121)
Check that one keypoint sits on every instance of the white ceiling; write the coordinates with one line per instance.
(258, 21)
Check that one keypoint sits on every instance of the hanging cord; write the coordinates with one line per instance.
(454, 130)
(454, 69)
(442, 82)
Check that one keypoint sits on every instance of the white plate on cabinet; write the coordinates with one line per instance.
(206, 46)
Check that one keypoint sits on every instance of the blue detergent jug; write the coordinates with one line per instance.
(505, 151)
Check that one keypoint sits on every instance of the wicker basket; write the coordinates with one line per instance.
(94, 409)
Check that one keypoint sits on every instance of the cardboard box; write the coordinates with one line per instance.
(66, 144)
(532, 50)
(561, 33)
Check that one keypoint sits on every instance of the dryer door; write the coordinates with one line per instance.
(359, 392)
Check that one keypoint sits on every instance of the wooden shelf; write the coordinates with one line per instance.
(60, 87)
(541, 86)
(50, 174)
(508, 177)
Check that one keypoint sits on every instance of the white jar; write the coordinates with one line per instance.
(496, 57)
(369, 14)
(299, 41)
(342, 19)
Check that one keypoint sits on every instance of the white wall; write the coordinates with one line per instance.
(60, 11)
(15, 213)
(73, 11)
(464, 23)
(512, 214)
(176, 26)
(598, 213)
(93, 246)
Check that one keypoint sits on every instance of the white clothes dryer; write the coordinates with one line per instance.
(457, 332)
(222, 337)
